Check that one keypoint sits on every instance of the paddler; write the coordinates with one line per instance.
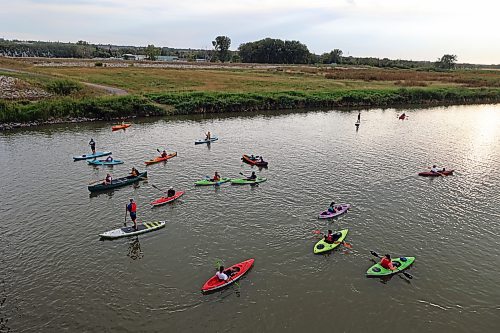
(435, 169)
(386, 262)
(164, 153)
(330, 238)
(216, 177)
(92, 145)
(208, 135)
(252, 177)
(132, 210)
(224, 275)
(359, 117)
(170, 192)
(134, 172)
(108, 179)
(331, 209)
(109, 159)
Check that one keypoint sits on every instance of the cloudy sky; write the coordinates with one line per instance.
(404, 29)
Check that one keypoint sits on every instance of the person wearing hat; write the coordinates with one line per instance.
(170, 192)
(132, 210)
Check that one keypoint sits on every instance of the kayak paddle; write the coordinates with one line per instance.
(159, 189)
(408, 275)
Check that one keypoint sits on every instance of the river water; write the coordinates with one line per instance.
(56, 275)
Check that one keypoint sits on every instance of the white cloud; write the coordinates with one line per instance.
(409, 29)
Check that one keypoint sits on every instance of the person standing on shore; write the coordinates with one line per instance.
(132, 210)
(92, 145)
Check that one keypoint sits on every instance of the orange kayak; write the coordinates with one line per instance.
(160, 159)
(119, 127)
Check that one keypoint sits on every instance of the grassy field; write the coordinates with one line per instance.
(192, 88)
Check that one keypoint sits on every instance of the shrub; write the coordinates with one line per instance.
(63, 87)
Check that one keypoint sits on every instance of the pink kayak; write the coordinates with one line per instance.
(339, 210)
(164, 200)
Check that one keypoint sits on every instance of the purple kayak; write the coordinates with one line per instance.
(339, 210)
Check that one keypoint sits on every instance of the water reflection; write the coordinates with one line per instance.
(134, 249)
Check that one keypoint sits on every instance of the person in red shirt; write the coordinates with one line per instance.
(386, 262)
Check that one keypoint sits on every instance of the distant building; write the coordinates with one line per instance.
(167, 58)
(134, 57)
(201, 60)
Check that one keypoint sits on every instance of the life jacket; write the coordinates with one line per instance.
(109, 179)
(386, 263)
(329, 238)
(132, 207)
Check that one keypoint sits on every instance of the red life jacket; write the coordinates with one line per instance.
(386, 263)
(132, 207)
(329, 238)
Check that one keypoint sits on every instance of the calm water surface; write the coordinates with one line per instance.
(56, 275)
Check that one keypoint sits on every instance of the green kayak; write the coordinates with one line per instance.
(401, 263)
(205, 182)
(244, 181)
(323, 246)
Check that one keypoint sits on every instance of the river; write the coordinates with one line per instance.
(56, 275)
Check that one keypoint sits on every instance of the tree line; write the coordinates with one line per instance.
(268, 50)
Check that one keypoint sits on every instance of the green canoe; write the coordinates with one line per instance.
(205, 182)
(401, 263)
(244, 181)
(118, 182)
(323, 246)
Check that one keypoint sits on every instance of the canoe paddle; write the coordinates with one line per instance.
(408, 275)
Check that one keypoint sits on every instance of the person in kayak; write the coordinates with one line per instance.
(109, 159)
(403, 116)
(208, 135)
(92, 145)
(261, 160)
(386, 262)
(252, 177)
(435, 169)
(108, 180)
(330, 238)
(170, 192)
(216, 177)
(252, 157)
(132, 210)
(224, 275)
(331, 209)
(164, 153)
(134, 172)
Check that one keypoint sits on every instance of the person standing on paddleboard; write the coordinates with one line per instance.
(359, 117)
(92, 145)
(132, 209)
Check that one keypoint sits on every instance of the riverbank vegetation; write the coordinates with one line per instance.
(183, 89)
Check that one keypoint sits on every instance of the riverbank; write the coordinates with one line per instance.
(24, 114)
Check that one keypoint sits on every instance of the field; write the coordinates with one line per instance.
(166, 88)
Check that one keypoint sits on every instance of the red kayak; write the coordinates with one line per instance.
(164, 200)
(160, 159)
(119, 127)
(436, 174)
(240, 269)
(255, 161)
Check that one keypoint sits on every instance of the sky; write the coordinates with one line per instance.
(395, 29)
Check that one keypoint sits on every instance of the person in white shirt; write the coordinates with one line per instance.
(223, 276)
(435, 169)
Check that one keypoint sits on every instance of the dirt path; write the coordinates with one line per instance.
(108, 89)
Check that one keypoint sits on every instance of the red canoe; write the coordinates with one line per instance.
(119, 127)
(256, 162)
(214, 283)
(436, 174)
(164, 200)
(160, 159)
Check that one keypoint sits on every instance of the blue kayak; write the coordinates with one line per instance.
(97, 154)
(104, 162)
(206, 141)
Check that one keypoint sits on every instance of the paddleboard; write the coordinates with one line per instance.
(130, 231)
(97, 154)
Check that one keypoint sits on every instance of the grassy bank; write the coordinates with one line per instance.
(157, 104)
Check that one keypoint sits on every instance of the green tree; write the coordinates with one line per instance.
(447, 61)
(152, 52)
(221, 46)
